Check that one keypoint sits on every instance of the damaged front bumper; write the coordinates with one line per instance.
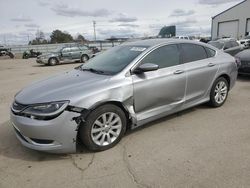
(55, 136)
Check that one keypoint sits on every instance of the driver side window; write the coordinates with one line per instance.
(65, 50)
(165, 56)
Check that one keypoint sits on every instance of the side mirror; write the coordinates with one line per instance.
(146, 68)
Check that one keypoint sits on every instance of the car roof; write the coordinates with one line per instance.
(158, 41)
(226, 39)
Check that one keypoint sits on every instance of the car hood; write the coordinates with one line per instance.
(71, 86)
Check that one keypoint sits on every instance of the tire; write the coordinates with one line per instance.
(106, 135)
(25, 56)
(219, 92)
(11, 55)
(53, 61)
(84, 58)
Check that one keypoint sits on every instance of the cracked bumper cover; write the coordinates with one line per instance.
(62, 131)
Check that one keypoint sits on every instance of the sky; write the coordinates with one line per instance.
(20, 19)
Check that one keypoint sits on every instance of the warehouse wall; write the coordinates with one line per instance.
(240, 12)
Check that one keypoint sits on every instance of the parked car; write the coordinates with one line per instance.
(244, 57)
(30, 54)
(123, 87)
(228, 45)
(66, 54)
(6, 52)
(245, 42)
(182, 37)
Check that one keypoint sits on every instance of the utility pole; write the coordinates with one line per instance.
(94, 23)
(4, 39)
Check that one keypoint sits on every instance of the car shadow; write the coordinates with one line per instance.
(166, 118)
(243, 78)
(10, 147)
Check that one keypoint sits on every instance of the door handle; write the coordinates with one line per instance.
(179, 72)
(211, 65)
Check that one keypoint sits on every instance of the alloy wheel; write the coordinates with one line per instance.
(220, 93)
(106, 129)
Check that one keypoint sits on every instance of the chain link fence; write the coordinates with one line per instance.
(45, 48)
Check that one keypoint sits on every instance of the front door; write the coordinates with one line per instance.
(160, 91)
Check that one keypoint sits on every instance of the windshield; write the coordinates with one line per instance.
(216, 44)
(114, 60)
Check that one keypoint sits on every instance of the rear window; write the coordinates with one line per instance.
(193, 52)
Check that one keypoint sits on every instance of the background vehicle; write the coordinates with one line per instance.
(228, 45)
(182, 37)
(245, 42)
(6, 52)
(30, 54)
(66, 54)
(124, 87)
(244, 57)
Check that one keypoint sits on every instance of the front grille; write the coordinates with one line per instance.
(17, 107)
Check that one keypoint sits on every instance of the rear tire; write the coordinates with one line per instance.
(104, 128)
(219, 92)
(53, 61)
(84, 58)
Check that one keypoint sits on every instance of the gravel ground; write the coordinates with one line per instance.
(200, 147)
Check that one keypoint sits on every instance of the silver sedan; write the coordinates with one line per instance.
(122, 88)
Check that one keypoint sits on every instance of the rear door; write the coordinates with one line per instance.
(76, 53)
(162, 90)
(200, 68)
(66, 54)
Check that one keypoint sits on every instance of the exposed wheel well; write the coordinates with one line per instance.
(116, 103)
(226, 77)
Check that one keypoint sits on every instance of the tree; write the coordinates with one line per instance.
(58, 36)
(40, 38)
(80, 38)
(40, 35)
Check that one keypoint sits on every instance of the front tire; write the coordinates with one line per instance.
(53, 61)
(104, 128)
(219, 92)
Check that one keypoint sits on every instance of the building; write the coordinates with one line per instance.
(233, 22)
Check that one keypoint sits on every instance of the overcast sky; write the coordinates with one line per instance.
(20, 19)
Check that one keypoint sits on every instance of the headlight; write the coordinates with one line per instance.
(46, 109)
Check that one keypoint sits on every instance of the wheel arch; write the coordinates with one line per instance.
(86, 114)
(53, 57)
(116, 103)
(85, 55)
(227, 77)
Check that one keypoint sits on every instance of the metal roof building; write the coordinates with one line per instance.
(233, 22)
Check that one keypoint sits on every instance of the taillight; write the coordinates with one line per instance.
(238, 62)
